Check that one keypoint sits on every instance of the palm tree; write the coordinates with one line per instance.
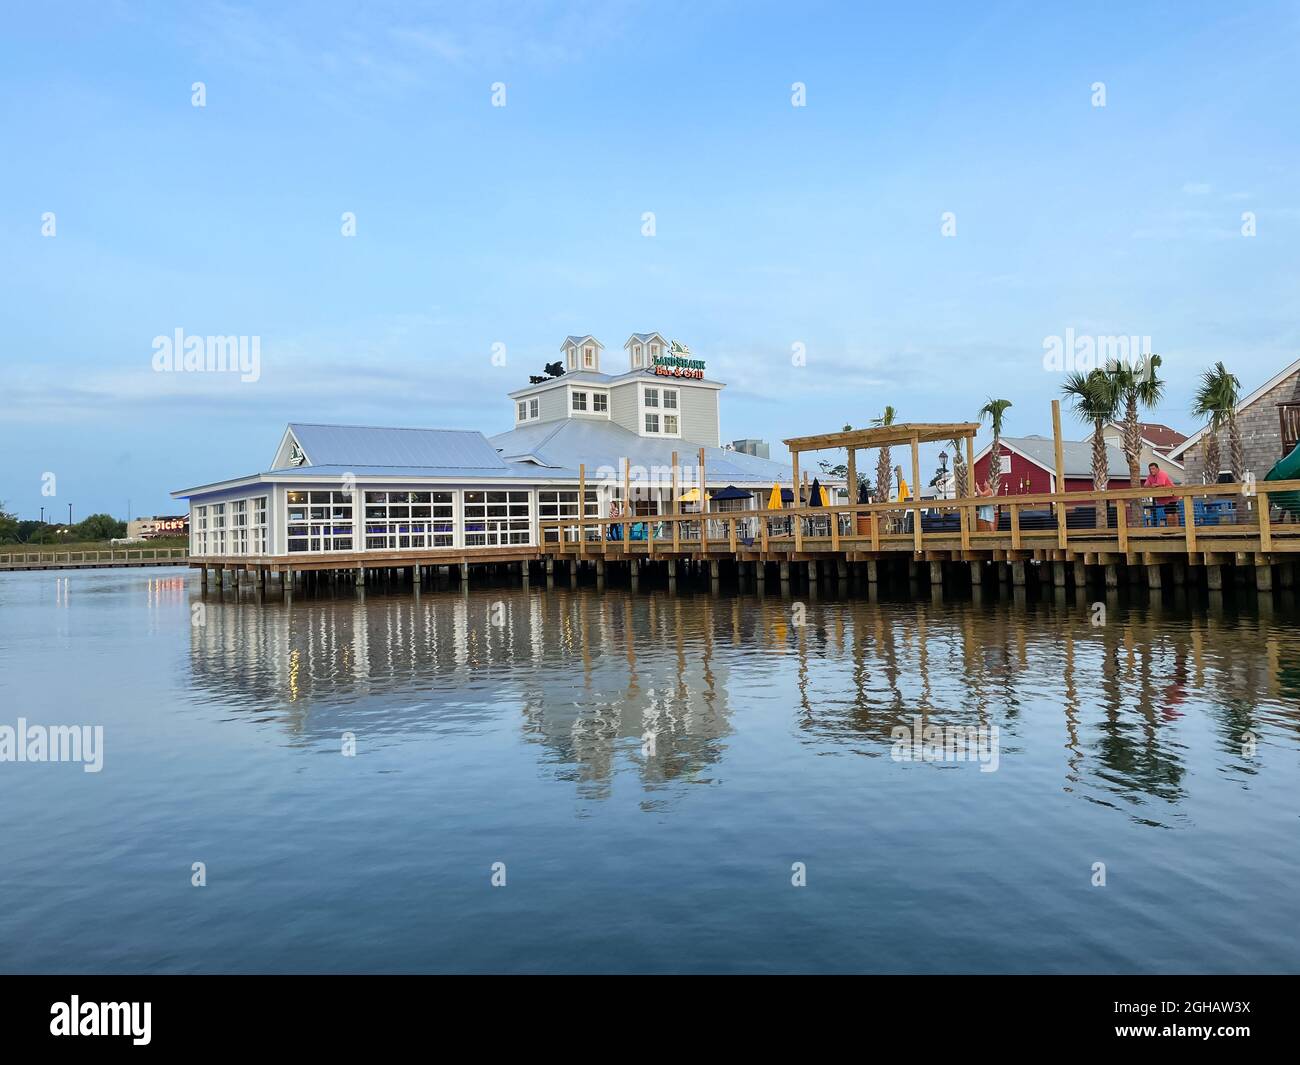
(1094, 397)
(1137, 388)
(960, 474)
(1216, 400)
(883, 467)
(994, 410)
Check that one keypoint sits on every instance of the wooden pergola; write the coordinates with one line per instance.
(914, 433)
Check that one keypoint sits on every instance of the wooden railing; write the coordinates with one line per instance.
(18, 559)
(1121, 517)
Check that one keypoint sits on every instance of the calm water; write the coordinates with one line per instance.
(509, 726)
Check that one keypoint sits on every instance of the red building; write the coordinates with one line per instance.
(1029, 465)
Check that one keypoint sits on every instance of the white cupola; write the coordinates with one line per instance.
(582, 353)
(643, 348)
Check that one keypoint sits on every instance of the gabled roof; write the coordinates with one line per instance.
(1160, 437)
(1077, 455)
(364, 446)
(1263, 390)
(642, 338)
(560, 446)
(579, 341)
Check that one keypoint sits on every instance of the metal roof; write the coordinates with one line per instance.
(358, 446)
(564, 444)
(1077, 455)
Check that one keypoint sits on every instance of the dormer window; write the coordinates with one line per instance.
(534, 407)
(636, 354)
(589, 357)
(523, 410)
(654, 351)
(580, 402)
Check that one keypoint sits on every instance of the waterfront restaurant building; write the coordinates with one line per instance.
(383, 492)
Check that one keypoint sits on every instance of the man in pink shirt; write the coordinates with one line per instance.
(1157, 478)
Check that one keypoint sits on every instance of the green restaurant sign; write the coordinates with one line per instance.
(678, 363)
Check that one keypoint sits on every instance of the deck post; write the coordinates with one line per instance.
(1263, 573)
(1214, 578)
(1155, 579)
(1062, 532)
(814, 567)
(916, 494)
(1112, 570)
(203, 577)
(1018, 573)
(704, 500)
(976, 572)
(582, 509)
(675, 511)
(715, 570)
(629, 511)
(873, 571)
(1080, 573)
(936, 572)
(785, 571)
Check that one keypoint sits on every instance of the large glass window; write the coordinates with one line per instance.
(523, 410)
(670, 424)
(652, 423)
(319, 521)
(600, 402)
(561, 504)
(257, 527)
(652, 397)
(670, 399)
(496, 519)
(580, 401)
(409, 519)
(533, 407)
(217, 529)
(239, 527)
(201, 530)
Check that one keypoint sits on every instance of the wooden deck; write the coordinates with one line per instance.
(1215, 526)
(1229, 524)
(157, 556)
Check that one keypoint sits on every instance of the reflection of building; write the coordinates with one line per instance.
(334, 488)
(598, 679)
(157, 526)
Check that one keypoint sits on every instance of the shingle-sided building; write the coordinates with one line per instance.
(335, 489)
(1269, 419)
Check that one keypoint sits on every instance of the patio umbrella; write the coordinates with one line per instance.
(826, 497)
(815, 496)
(690, 496)
(774, 500)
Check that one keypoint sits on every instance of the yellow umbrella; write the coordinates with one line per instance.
(774, 500)
(826, 499)
(903, 493)
(690, 496)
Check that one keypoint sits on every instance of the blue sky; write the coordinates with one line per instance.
(476, 225)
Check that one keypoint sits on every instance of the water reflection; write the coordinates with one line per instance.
(1120, 714)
